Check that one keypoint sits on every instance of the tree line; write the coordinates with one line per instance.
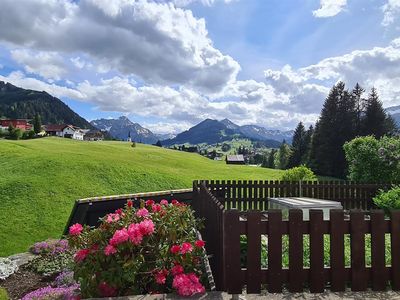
(345, 115)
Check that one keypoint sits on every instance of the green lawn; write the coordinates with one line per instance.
(40, 180)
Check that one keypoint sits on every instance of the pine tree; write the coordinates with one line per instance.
(308, 142)
(283, 155)
(271, 159)
(37, 124)
(376, 122)
(336, 125)
(359, 107)
(299, 147)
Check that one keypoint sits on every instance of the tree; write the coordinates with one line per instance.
(270, 160)
(359, 107)
(283, 155)
(335, 126)
(37, 124)
(376, 122)
(299, 147)
(308, 143)
(373, 160)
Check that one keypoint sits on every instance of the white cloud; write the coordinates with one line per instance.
(158, 42)
(390, 11)
(204, 2)
(49, 65)
(379, 66)
(330, 8)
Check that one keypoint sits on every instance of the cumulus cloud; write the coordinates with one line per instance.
(49, 65)
(158, 42)
(379, 67)
(390, 10)
(204, 2)
(330, 8)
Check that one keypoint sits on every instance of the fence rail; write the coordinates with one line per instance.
(254, 194)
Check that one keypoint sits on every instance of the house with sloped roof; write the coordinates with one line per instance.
(235, 159)
(64, 130)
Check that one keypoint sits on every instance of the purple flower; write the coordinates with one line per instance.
(65, 279)
(50, 247)
(66, 293)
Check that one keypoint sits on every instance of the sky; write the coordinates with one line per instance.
(169, 64)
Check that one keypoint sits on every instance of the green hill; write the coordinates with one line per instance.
(40, 180)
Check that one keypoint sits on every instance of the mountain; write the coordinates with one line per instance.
(261, 133)
(19, 103)
(212, 131)
(394, 111)
(121, 127)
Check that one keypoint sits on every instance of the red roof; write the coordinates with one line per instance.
(55, 127)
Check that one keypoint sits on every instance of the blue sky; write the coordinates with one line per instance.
(170, 64)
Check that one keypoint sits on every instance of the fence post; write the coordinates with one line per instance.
(378, 271)
(253, 279)
(233, 276)
(317, 280)
(295, 250)
(337, 230)
(357, 236)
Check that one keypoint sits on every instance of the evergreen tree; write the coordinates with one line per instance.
(359, 107)
(308, 142)
(376, 122)
(271, 159)
(299, 147)
(283, 155)
(37, 124)
(335, 126)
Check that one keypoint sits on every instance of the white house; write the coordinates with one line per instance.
(64, 130)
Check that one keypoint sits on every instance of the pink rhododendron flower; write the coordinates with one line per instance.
(107, 290)
(119, 237)
(187, 284)
(175, 249)
(150, 202)
(75, 229)
(200, 244)
(112, 218)
(142, 212)
(129, 203)
(146, 227)
(135, 234)
(161, 276)
(164, 202)
(81, 255)
(156, 208)
(186, 247)
(175, 202)
(119, 211)
(177, 269)
(110, 249)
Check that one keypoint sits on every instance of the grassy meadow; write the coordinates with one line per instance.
(40, 179)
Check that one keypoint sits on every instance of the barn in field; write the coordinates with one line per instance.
(22, 124)
(235, 159)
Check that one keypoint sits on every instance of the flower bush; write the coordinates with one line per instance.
(150, 249)
(53, 293)
(53, 256)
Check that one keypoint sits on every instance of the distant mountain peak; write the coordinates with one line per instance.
(229, 124)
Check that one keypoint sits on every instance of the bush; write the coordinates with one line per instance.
(301, 173)
(15, 134)
(28, 134)
(372, 160)
(151, 249)
(389, 200)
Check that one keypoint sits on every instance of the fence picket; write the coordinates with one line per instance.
(253, 252)
(295, 251)
(337, 229)
(317, 281)
(357, 234)
(275, 251)
(395, 246)
(379, 279)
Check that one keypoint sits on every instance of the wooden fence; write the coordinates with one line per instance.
(254, 194)
(224, 228)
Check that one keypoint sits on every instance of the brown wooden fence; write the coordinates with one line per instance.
(254, 194)
(266, 232)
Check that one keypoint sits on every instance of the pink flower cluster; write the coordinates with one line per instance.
(111, 218)
(186, 247)
(75, 229)
(187, 284)
(161, 276)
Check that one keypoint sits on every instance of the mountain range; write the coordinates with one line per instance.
(213, 131)
(394, 111)
(19, 103)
